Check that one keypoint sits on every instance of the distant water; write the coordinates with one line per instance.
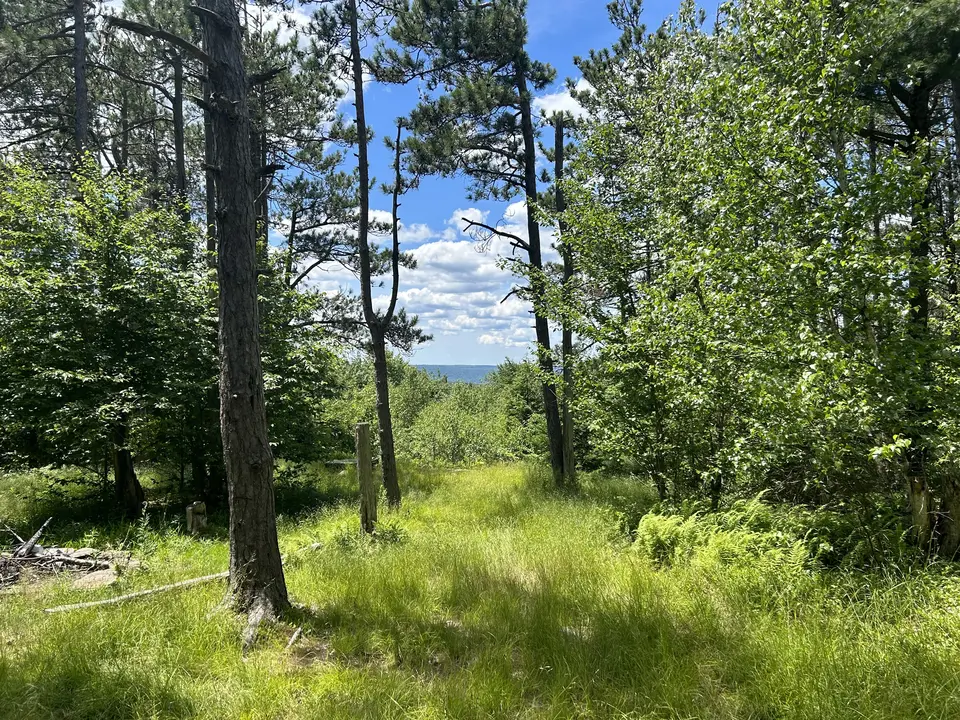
(460, 373)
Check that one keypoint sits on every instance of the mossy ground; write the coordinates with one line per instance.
(484, 597)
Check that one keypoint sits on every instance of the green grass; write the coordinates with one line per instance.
(486, 597)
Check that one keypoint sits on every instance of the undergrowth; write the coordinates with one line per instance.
(486, 596)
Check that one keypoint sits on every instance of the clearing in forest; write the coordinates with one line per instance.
(486, 597)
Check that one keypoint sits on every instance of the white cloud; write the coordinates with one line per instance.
(561, 102)
(515, 338)
(457, 288)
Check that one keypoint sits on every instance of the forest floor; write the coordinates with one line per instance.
(483, 597)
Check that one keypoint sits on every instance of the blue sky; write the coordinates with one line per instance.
(456, 290)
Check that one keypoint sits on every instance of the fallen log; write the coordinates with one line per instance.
(28, 546)
(63, 560)
(139, 593)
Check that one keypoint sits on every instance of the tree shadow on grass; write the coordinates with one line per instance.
(82, 509)
(302, 491)
(85, 687)
(535, 644)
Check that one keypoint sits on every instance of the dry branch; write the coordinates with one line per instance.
(28, 546)
(294, 637)
(139, 593)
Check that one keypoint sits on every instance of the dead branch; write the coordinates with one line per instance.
(28, 546)
(161, 34)
(139, 593)
(10, 530)
(294, 637)
(515, 240)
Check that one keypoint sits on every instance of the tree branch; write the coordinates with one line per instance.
(265, 76)
(516, 240)
(212, 16)
(160, 34)
(139, 81)
(395, 259)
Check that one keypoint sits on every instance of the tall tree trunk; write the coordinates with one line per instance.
(81, 124)
(179, 144)
(569, 458)
(918, 487)
(259, 144)
(544, 358)
(950, 520)
(210, 177)
(256, 570)
(950, 511)
(955, 113)
(375, 325)
(128, 489)
(291, 249)
(388, 458)
(122, 151)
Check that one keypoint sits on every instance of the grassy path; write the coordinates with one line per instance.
(484, 598)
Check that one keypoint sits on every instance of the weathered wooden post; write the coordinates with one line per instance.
(196, 517)
(368, 491)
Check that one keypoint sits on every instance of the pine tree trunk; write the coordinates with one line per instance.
(179, 144)
(128, 489)
(256, 571)
(373, 322)
(544, 358)
(919, 490)
(121, 150)
(81, 95)
(388, 459)
(569, 458)
(210, 178)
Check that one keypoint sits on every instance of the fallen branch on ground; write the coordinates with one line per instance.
(294, 637)
(28, 546)
(139, 593)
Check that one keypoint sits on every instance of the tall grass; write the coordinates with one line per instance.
(486, 596)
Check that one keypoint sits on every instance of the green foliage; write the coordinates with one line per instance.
(756, 532)
(440, 422)
(103, 310)
(754, 260)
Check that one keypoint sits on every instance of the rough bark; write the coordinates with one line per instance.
(544, 357)
(388, 459)
(121, 151)
(950, 521)
(368, 489)
(210, 179)
(955, 103)
(256, 570)
(81, 95)
(179, 144)
(375, 324)
(126, 484)
(920, 493)
(569, 458)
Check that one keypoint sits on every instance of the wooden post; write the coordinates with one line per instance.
(368, 491)
(196, 518)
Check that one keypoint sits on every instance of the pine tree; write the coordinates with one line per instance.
(351, 22)
(256, 571)
(482, 125)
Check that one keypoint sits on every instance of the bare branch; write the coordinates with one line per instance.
(516, 240)
(161, 34)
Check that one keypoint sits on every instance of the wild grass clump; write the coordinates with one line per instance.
(486, 596)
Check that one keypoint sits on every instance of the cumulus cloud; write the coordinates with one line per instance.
(561, 101)
(458, 287)
(515, 338)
